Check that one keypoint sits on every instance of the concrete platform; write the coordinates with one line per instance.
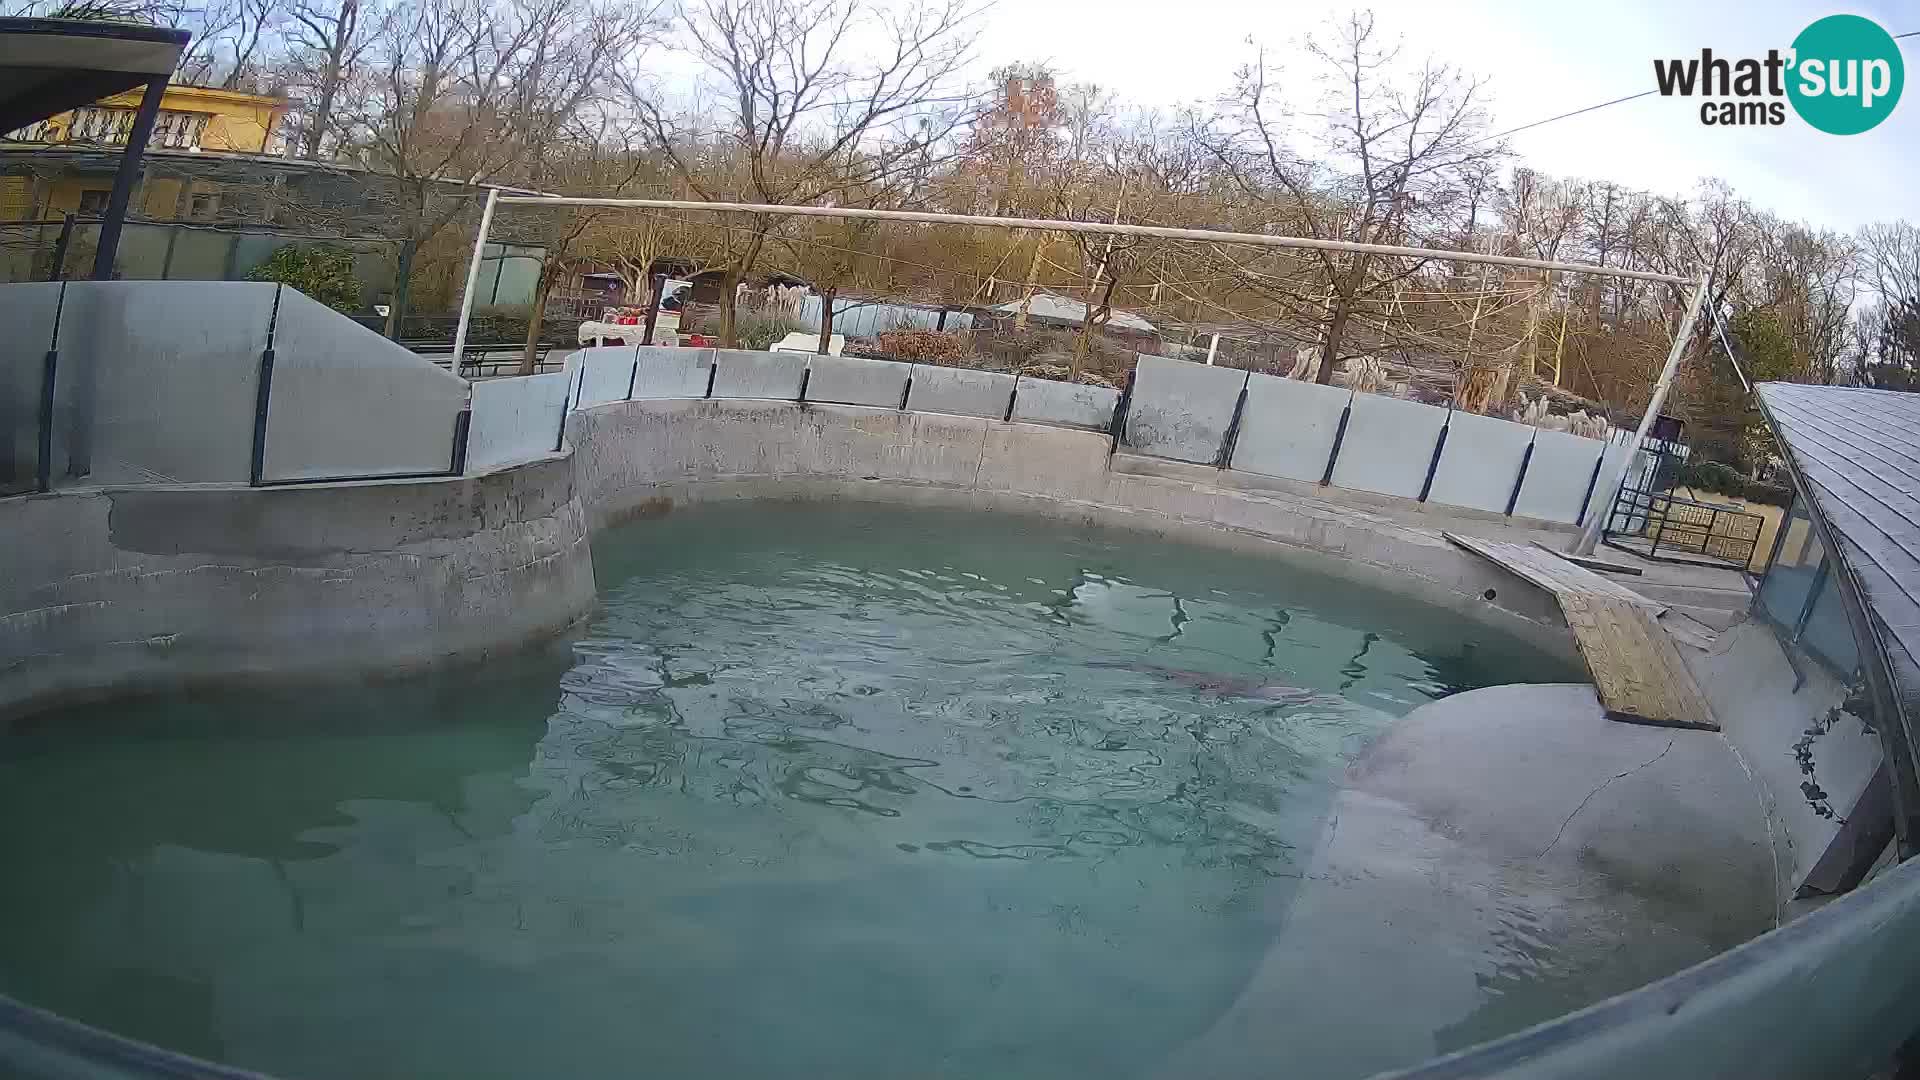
(1498, 857)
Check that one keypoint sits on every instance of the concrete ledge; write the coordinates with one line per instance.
(112, 591)
(742, 374)
(852, 380)
(1046, 401)
(961, 392)
(1477, 826)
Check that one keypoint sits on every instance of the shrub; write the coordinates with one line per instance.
(757, 330)
(950, 347)
(1760, 491)
(322, 272)
(1713, 476)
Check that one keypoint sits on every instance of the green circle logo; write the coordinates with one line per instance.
(1846, 75)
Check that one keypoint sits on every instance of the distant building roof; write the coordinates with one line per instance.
(1060, 309)
(49, 66)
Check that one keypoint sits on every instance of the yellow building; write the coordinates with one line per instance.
(193, 120)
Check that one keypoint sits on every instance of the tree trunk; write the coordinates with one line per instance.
(536, 316)
(402, 279)
(1330, 345)
(826, 320)
(1099, 316)
(729, 294)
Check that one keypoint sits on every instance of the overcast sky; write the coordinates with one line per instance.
(1541, 57)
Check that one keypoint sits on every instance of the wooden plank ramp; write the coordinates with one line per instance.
(1636, 668)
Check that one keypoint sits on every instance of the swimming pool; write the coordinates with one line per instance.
(822, 789)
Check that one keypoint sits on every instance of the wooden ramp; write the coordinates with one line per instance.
(1636, 668)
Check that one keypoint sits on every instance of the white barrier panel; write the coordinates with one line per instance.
(1599, 502)
(606, 372)
(515, 420)
(1557, 476)
(742, 374)
(1288, 427)
(1388, 445)
(347, 402)
(959, 391)
(673, 373)
(158, 379)
(1181, 410)
(1480, 463)
(852, 380)
(1046, 401)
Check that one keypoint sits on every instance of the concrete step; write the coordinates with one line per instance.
(1734, 599)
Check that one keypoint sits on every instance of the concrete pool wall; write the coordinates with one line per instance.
(155, 587)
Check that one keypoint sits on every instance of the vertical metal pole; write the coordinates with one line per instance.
(473, 278)
(1213, 347)
(103, 256)
(1590, 535)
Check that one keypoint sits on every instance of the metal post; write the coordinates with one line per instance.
(1213, 347)
(1590, 534)
(143, 118)
(473, 278)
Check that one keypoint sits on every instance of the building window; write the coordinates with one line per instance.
(93, 202)
(204, 206)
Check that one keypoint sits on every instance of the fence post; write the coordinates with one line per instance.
(1013, 392)
(49, 369)
(1117, 427)
(1339, 436)
(263, 398)
(1433, 465)
(906, 391)
(1586, 502)
(1525, 460)
(653, 314)
(1232, 435)
(462, 424)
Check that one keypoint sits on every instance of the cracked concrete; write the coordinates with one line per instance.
(115, 590)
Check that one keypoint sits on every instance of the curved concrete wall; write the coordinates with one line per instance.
(113, 590)
(641, 457)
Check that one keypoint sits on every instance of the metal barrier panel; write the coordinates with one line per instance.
(346, 402)
(158, 381)
(1388, 446)
(1600, 501)
(27, 313)
(672, 373)
(606, 372)
(1046, 401)
(1288, 427)
(739, 373)
(515, 420)
(1478, 464)
(960, 391)
(1181, 410)
(1555, 487)
(851, 380)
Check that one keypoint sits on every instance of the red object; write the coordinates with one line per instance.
(702, 341)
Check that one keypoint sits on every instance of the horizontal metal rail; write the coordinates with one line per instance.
(1100, 228)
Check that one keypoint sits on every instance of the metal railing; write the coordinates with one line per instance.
(1658, 524)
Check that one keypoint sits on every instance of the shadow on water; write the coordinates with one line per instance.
(823, 789)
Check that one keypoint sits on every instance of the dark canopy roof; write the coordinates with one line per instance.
(49, 66)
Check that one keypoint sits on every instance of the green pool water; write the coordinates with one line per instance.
(839, 791)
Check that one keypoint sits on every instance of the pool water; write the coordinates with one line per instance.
(822, 790)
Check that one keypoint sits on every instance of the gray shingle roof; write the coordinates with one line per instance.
(1860, 453)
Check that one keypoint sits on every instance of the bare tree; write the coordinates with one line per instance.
(815, 98)
(1393, 149)
(464, 91)
(325, 45)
